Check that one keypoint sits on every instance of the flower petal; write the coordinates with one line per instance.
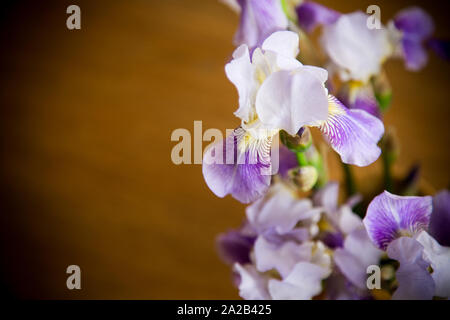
(243, 172)
(390, 216)
(358, 253)
(439, 258)
(360, 97)
(234, 246)
(311, 14)
(241, 73)
(416, 26)
(327, 197)
(279, 209)
(259, 18)
(440, 218)
(352, 133)
(414, 280)
(414, 22)
(287, 161)
(303, 283)
(284, 43)
(357, 50)
(253, 285)
(289, 100)
(280, 257)
(414, 54)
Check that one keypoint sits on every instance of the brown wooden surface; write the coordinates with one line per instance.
(86, 119)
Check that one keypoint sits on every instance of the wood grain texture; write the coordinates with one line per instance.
(86, 119)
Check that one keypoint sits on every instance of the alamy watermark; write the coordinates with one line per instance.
(74, 20)
(74, 280)
(374, 20)
(236, 147)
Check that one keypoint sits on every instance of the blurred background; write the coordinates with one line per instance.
(86, 118)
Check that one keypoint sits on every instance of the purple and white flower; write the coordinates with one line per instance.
(276, 92)
(283, 262)
(357, 51)
(399, 225)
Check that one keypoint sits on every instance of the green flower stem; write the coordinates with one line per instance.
(349, 180)
(301, 159)
(387, 171)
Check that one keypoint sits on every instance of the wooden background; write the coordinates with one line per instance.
(86, 118)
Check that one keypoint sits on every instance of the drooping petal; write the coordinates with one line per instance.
(440, 218)
(358, 253)
(303, 283)
(390, 216)
(289, 100)
(280, 257)
(252, 284)
(416, 26)
(414, 22)
(241, 73)
(280, 209)
(259, 19)
(414, 53)
(311, 14)
(239, 166)
(439, 258)
(414, 280)
(352, 133)
(234, 246)
(357, 50)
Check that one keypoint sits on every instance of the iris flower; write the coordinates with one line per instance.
(400, 226)
(277, 92)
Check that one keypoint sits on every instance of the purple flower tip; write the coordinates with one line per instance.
(390, 216)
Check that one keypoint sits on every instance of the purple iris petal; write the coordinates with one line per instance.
(234, 246)
(282, 257)
(416, 26)
(414, 23)
(367, 102)
(229, 170)
(414, 280)
(390, 216)
(279, 209)
(303, 283)
(440, 218)
(353, 133)
(252, 284)
(358, 253)
(333, 240)
(363, 99)
(327, 197)
(311, 14)
(259, 19)
(414, 53)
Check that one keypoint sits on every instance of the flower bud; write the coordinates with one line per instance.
(304, 177)
(298, 143)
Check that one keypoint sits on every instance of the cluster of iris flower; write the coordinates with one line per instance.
(297, 240)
